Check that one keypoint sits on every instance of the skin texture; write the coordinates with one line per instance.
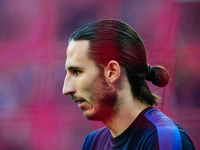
(103, 94)
(86, 84)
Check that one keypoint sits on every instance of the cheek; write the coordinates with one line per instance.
(85, 85)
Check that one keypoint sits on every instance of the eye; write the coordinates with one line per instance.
(76, 72)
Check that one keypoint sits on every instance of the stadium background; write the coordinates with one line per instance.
(34, 115)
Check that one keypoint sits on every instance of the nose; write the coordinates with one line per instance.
(68, 86)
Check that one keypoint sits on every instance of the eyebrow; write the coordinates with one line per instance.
(73, 68)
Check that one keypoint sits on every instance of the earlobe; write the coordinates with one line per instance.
(112, 71)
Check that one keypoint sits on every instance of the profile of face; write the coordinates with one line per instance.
(86, 83)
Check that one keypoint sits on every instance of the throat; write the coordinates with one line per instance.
(118, 126)
(121, 121)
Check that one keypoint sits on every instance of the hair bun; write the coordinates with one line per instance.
(158, 75)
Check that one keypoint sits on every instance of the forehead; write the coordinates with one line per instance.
(77, 53)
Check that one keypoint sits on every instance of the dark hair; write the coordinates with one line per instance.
(116, 40)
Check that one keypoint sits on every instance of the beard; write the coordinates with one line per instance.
(105, 99)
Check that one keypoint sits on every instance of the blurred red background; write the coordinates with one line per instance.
(34, 115)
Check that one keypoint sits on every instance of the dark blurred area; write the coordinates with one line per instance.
(34, 115)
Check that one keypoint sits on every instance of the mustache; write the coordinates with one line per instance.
(74, 97)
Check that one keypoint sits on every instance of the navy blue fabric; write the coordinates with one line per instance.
(151, 130)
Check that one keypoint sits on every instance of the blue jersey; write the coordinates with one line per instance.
(151, 130)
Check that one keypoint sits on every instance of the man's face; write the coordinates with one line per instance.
(86, 83)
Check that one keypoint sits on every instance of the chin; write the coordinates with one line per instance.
(100, 115)
(92, 116)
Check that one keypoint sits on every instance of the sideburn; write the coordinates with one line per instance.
(106, 98)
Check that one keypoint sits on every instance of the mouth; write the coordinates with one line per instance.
(79, 101)
(81, 104)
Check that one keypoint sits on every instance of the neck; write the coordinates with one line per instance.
(123, 119)
(128, 110)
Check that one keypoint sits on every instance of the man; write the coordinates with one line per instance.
(106, 75)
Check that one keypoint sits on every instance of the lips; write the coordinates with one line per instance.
(82, 104)
(79, 101)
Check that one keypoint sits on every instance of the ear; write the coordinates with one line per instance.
(112, 71)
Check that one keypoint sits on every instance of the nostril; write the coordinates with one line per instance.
(68, 90)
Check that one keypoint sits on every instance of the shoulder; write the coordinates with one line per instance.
(98, 133)
(154, 142)
(168, 134)
(187, 143)
(94, 137)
